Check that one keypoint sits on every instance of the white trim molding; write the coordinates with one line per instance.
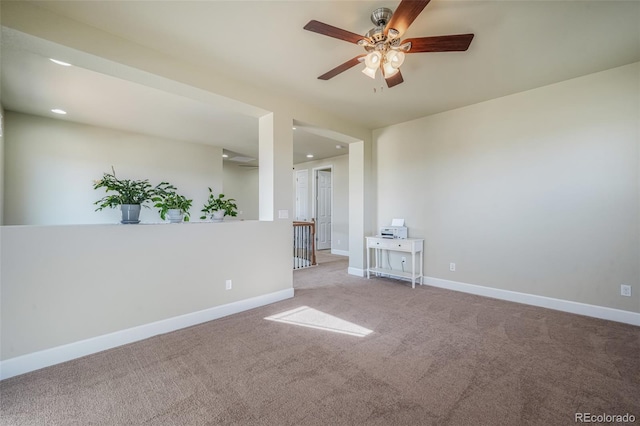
(594, 311)
(340, 252)
(358, 272)
(45, 358)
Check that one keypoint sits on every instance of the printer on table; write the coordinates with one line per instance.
(396, 230)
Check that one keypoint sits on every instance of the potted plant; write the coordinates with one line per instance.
(128, 194)
(171, 204)
(218, 207)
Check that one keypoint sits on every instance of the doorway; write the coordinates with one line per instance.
(323, 188)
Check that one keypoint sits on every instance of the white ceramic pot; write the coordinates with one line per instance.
(218, 216)
(174, 215)
(130, 213)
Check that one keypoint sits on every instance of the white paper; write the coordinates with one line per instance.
(397, 222)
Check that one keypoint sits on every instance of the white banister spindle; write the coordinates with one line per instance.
(304, 234)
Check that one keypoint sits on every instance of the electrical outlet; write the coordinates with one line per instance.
(625, 290)
(228, 284)
(452, 267)
(404, 259)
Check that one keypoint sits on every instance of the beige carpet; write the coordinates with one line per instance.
(431, 356)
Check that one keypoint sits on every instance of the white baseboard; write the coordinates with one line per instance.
(357, 272)
(601, 312)
(340, 252)
(36, 360)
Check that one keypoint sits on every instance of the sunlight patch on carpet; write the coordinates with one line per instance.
(308, 317)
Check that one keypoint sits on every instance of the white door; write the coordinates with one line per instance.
(302, 196)
(323, 209)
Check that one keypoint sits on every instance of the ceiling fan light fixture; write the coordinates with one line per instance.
(371, 72)
(395, 58)
(372, 60)
(389, 70)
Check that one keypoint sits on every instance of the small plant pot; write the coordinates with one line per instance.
(218, 216)
(175, 215)
(130, 213)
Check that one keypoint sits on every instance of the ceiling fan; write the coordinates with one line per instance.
(383, 44)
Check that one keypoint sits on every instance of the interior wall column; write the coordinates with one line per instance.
(361, 204)
(275, 166)
(1, 165)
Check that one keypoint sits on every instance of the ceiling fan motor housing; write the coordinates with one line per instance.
(381, 16)
(376, 35)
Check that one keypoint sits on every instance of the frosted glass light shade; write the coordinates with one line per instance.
(389, 70)
(372, 60)
(371, 72)
(395, 58)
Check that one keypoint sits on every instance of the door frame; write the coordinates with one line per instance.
(314, 208)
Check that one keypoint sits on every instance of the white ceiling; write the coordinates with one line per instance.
(518, 45)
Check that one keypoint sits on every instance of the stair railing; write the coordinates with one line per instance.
(304, 246)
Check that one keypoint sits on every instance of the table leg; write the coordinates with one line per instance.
(368, 262)
(413, 269)
(421, 268)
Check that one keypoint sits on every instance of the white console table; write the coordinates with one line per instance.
(415, 246)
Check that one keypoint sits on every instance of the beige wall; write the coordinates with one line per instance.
(340, 186)
(51, 165)
(536, 192)
(64, 284)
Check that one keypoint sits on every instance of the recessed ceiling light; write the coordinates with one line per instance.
(338, 146)
(64, 64)
(293, 128)
(59, 111)
(309, 155)
(225, 156)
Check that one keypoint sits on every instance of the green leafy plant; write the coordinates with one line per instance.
(166, 198)
(126, 191)
(215, 203)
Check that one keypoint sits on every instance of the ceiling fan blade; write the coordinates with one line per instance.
(450, 43)
(331, 31)
(405, 14)
(394, 80)
(341, 68)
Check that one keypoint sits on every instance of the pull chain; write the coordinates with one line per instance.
(375, 90)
